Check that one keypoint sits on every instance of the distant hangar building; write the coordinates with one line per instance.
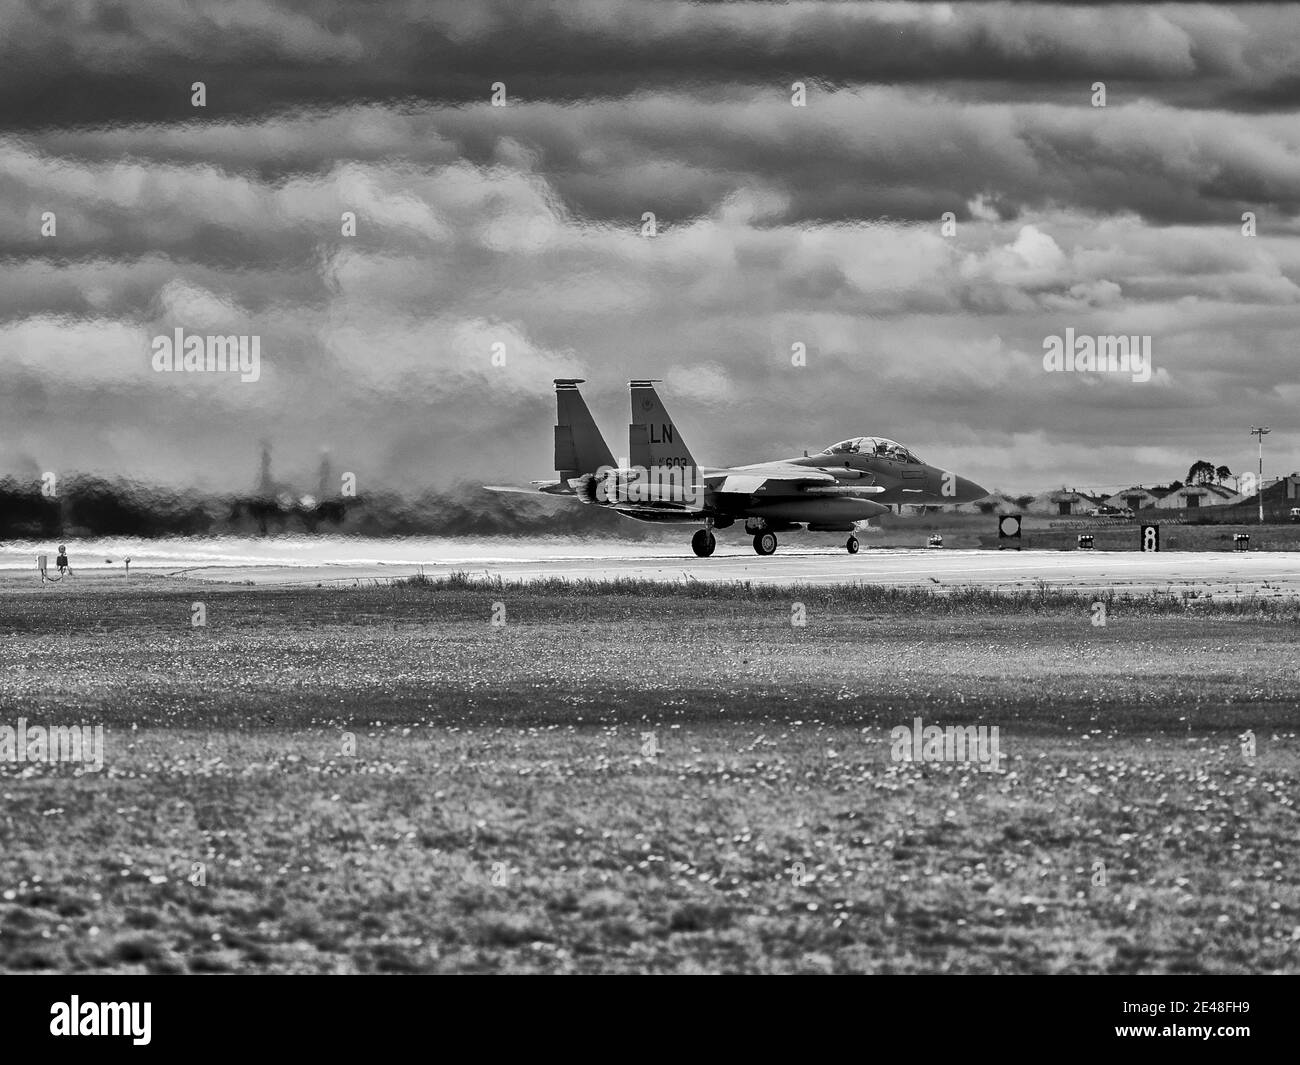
(1189, 496)
(1070, 502)
(1198, 495)
(1134, 499)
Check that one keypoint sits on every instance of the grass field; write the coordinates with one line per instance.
(633, 778)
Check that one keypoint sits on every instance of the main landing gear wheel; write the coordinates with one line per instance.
(852, 545)
(703, 543)
(765, 543)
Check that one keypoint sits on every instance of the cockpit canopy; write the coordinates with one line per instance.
(873, 447)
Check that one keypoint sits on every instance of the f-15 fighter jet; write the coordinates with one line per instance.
(849, 482)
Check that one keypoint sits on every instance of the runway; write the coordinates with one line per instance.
(1234, 574)
(1221, 575)
(299, 561)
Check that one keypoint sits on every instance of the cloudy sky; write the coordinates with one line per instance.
(521, 225)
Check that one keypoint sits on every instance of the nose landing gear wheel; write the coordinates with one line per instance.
(852, 545)
(703, 543)
(765, 543)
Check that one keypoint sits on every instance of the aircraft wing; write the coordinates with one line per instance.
(550, 488)
(783, 478)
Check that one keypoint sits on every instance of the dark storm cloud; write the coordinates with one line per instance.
(79, 64)
(876, 154)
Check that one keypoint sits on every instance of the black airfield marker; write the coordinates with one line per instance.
(1009, 529)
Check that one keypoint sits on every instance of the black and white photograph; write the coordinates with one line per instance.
(649, 487)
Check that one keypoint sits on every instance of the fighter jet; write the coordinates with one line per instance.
(848, 482)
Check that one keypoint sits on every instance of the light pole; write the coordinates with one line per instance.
(1261, 431)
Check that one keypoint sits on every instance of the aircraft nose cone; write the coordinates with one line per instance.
(968, 491)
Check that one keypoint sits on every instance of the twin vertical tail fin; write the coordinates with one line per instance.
(579, 447)
(653, 439)
(580, 450)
